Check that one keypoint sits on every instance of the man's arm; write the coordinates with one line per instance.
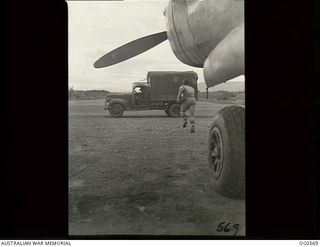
(181, 88)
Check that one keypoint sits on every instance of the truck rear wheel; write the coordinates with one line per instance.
(116, 110)
(173, 110)
(226, 156)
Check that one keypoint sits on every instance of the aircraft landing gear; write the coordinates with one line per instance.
(226, 152)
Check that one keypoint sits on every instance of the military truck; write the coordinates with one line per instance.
(159, 92)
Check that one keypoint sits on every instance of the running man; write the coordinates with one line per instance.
(188, 102)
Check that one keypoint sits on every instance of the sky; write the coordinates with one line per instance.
(97, 27)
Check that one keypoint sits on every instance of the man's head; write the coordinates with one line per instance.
(186, 82)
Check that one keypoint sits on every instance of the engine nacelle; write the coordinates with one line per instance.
(195, 27)
(226, 61)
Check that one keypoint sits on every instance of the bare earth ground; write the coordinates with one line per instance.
(143, 174)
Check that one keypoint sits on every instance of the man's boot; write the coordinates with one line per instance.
(185, 123)
(192, 130)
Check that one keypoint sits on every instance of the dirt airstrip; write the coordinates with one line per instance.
(144, 174)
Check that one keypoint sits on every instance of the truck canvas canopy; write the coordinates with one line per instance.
(164, 85)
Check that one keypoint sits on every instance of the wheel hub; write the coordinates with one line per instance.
(116, 109)
(176, 110)
(216, 152)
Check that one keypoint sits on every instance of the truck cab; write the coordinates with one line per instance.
(159, 92)
(140, 95)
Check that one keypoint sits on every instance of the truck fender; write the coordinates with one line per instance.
(121, 101)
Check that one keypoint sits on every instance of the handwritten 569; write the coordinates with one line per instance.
(228, 228)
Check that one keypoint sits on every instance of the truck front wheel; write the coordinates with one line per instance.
(173, 110)
(226, 152)
(116, 110)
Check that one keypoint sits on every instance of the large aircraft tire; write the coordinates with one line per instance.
(116, 110)
(174, 110)
(226, 152)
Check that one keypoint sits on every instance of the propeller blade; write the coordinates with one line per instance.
(130, 49)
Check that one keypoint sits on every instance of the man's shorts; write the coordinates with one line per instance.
(188, 104)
